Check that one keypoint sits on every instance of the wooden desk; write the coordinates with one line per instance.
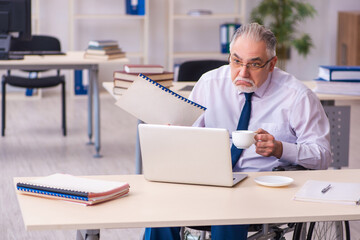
(178, 86)
(72, 60)
(310, 84)
(152, 204)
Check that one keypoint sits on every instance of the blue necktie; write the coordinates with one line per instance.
(242, 125)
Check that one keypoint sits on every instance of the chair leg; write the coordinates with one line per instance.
(63, 96)
(182, 233)
(3, 92)
(203, 235)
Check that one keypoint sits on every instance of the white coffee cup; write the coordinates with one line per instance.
(243, 138)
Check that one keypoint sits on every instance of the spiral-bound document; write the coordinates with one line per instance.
(74, 189)
(153, 103)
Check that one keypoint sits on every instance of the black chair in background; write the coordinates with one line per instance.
(37, 43)
(192, 70)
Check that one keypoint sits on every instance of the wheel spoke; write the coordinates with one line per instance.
(328, 231)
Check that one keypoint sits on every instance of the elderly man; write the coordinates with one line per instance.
(251, 93)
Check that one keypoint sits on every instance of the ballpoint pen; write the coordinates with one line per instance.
(325, 189)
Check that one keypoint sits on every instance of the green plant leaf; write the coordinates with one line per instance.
(303, 44)
(282, 17)
(304, 10)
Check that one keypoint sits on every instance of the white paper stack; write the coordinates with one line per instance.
(338, 192)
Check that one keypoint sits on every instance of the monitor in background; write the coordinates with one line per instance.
(15, 21)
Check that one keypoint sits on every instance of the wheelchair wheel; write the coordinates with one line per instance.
(338, 230)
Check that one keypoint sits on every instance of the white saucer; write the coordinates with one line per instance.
(274, 181)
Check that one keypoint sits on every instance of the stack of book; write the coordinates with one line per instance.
(104, 49)
(123, 79)
(74, 189)
(343, 80)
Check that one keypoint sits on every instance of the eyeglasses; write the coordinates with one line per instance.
(251, 66)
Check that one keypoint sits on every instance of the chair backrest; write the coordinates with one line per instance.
(339, 118)
(37, 43)
(192, 70)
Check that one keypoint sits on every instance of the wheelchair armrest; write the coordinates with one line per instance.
(290, 168)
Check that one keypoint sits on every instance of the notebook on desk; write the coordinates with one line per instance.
(187, 155)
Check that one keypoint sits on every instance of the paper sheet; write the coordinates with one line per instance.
(345, 193)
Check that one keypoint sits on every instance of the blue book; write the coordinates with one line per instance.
(223, 38)
(141, 7)
(30, 91)
(227, 31)
(135, 7)
(339, 73)
(80, 87)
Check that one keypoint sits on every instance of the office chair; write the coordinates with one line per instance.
(192, 70)
(37, 43)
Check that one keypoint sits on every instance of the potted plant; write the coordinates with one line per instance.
(282, 17)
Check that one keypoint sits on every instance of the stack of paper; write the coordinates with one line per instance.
(341, 88)
(331, 192)
(74, 189)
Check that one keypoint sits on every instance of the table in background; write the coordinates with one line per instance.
(338, 116)
(330, 97)
(72, 60)
(153, 204)
(184, 89)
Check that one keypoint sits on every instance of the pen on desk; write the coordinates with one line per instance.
(325, 189)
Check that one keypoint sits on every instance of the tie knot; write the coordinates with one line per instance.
(248, 96)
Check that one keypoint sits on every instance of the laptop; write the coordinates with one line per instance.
(191, 155)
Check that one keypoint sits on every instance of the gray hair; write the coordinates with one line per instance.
(258, 33)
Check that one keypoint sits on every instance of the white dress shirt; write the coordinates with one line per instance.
(282, 106)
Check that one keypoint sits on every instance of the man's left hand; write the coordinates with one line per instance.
(267, 145)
